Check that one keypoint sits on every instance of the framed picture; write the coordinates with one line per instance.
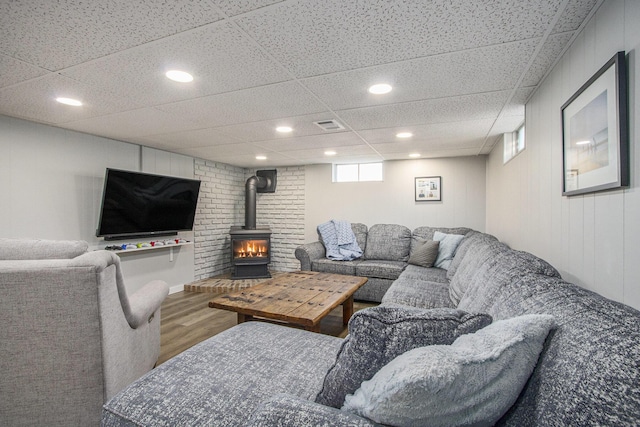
(595, 133)
(429, 189)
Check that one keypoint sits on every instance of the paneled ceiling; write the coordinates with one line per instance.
(461, 72)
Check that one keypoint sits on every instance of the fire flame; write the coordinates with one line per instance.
(251, 249)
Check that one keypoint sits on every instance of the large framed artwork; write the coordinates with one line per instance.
(428, 189)
(595, 134)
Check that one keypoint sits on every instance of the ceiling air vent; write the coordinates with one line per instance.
(329, 125)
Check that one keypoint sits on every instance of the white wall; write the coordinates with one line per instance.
(392, 201)
(220, 205)
(594, 239)
(51, 186)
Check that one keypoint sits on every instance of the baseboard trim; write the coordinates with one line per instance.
(176, 288)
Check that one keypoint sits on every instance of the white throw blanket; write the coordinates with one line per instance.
(339, 240)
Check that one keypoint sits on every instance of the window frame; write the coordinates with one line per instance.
(337, 166)
(514, 143)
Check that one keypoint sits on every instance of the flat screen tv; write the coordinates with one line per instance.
(136, 204)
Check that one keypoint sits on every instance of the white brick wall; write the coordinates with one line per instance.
(221, 205)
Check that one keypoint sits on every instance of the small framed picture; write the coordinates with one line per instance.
(429, 189)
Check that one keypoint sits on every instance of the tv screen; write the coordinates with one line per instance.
(141, 204)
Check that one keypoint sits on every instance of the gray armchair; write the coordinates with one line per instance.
(70, 335)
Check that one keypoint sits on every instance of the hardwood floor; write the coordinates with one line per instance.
(186, 319)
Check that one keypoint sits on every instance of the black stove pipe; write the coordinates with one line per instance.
(264, 181)
(251, 188)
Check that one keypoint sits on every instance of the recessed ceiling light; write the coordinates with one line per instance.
(179, 76)
(380, 89)
(261, 157)
(284, 129)
(414, 155)
(404, 135)
(69, 101)
(583, 142)
(330, 153)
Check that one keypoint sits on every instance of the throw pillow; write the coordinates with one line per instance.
(474, 381)
(447, 250)
(425, 254)
(379, 334)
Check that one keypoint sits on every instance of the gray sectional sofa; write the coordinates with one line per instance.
(386, 250)
(557, 355)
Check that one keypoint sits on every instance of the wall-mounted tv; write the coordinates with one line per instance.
(136, 204)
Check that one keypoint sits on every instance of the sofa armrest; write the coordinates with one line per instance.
(145, 302)
(139, 307)
(286, 410)
(309, 252)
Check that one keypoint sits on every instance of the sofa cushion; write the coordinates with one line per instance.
(287, 410)
(421, 274)
(480, 253)
(426, 233)
(324, 265)
(425, 254)
(469, 239)
(417, 293)
(474, 381)
(447, 250)
(379, 334)
(380, 269)
(492, 277)
(373, 290)
(223, 380)
(389, 242)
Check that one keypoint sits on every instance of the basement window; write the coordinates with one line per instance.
(357, 172)
(514, 144)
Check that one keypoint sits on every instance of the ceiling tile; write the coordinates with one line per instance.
(237, 7)
(257, 104)
(341, 152)
(553, 46)
(195, 138)
(224, 150)
(266, 130)
(35, 100)
(515, 107)
(14, 71)
(131, 124)
(213, 55)
(573, 15)
(429, 133)
(432, 154)
(313, 141)
(447, 110)
(311, 37)
(408, 147)
(505, 124)
(249, 161)
(480, 70)
(38, 32)
(243, 155)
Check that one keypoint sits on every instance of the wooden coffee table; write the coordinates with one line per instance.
(302, 298)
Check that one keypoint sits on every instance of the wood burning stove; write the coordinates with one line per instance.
(250, 252)
(251, 246)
